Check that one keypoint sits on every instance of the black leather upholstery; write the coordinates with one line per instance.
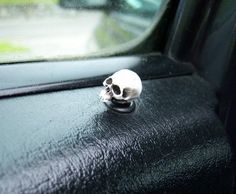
(68, 142)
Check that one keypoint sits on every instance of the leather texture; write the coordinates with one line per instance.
(68, 142)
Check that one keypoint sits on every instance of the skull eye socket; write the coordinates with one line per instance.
(109, 81)
(116, 89)
(126, 93)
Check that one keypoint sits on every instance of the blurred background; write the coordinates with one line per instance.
(57, 29)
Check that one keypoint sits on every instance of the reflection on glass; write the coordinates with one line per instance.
(57, 29)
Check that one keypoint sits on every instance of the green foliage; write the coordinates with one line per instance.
(7, 47)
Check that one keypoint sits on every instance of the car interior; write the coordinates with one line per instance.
(176, 136)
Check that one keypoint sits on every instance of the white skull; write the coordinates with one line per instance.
(123, 85)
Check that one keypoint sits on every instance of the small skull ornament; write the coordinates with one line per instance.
(124, 86)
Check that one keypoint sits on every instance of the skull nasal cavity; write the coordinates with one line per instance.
(109, 81)
(116, 89)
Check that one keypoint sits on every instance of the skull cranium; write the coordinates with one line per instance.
(124, 85)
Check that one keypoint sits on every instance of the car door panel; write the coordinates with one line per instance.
(69, 142)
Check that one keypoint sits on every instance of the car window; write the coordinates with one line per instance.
(62, 29)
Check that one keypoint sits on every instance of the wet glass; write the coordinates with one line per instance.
(34, 30)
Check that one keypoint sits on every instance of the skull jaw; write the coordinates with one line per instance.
(120, 106)
(105, 95)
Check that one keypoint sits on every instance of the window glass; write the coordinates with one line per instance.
(63, 29)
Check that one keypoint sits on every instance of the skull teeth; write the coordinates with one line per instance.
(105, 95)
